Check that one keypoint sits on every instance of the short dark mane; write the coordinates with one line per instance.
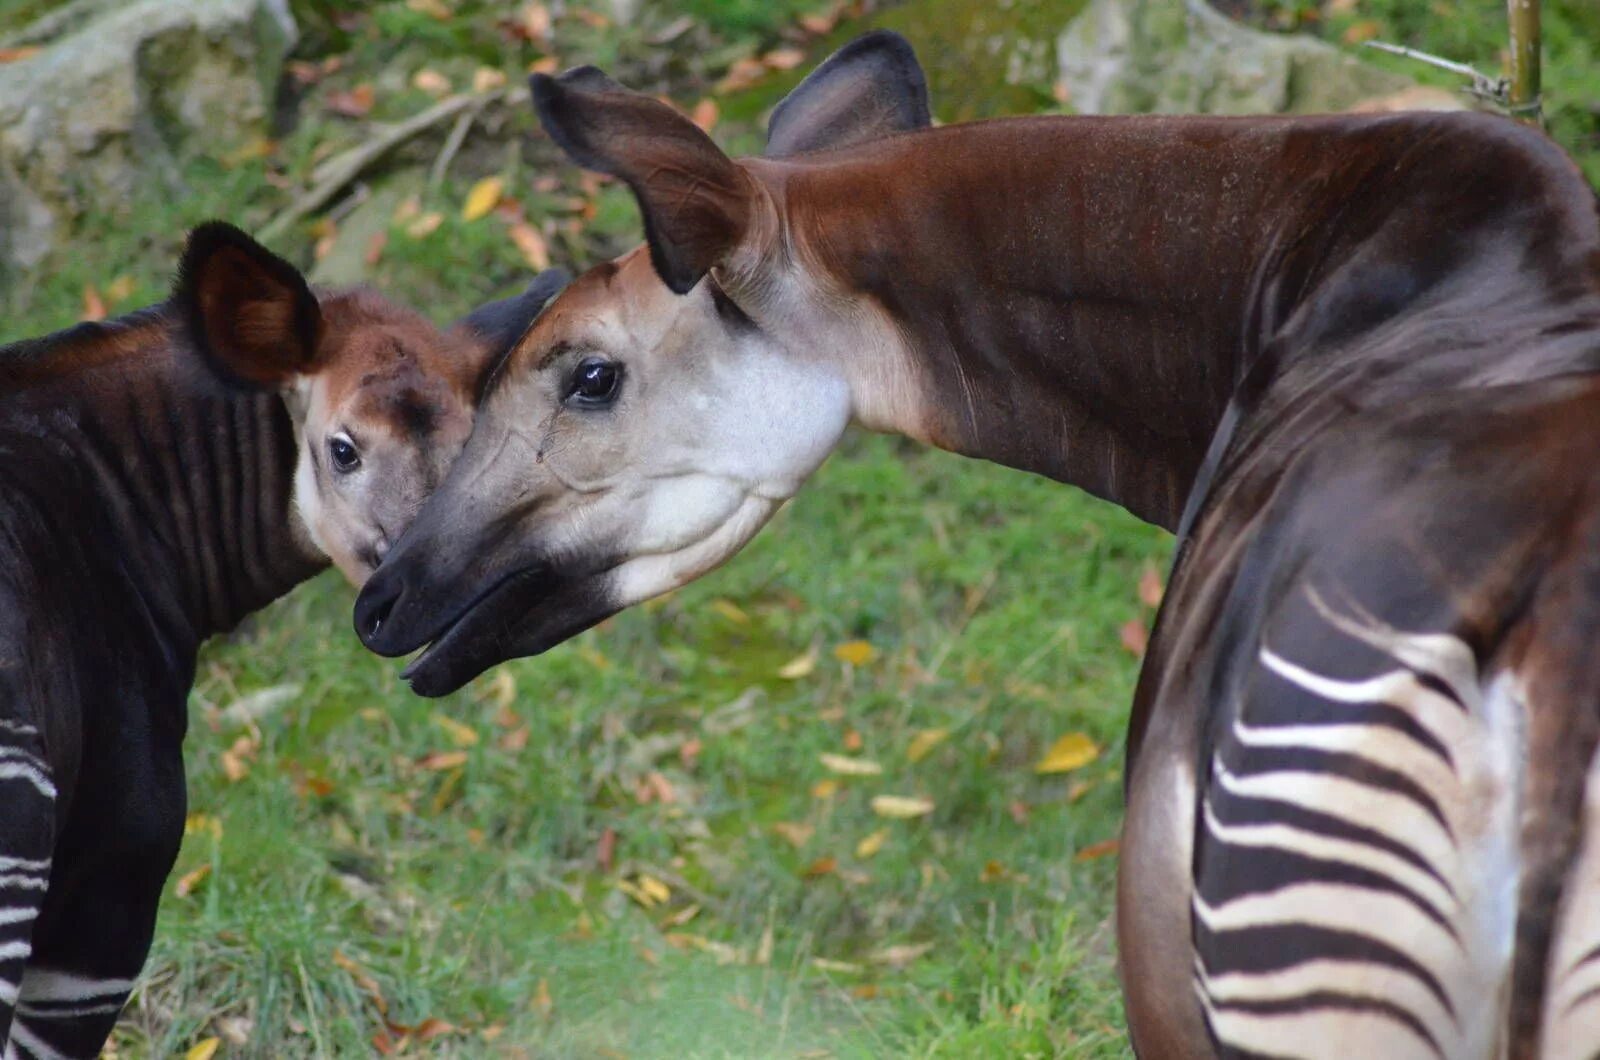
(31, 358)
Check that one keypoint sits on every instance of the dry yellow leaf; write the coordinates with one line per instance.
(531, 243)
(120, 288)
(871, 844)
(855, 652)
(705, 114)
(825, 788)
(901, 806)
(430, 81)
(425, 225)
(202, 824)
(189, 882)
(17, 55)
(1073, 751)
(798, 667)
(439, 761)
(850, 767)
(484, 196)
(204, 1049)
(487, 79)
(462, 735)
(542, 1003)
(730, 611)
(900, 956)
(923, 743)
(797, 834)
(536, 21)
(436, 9)
(783, 59)
(503, 689)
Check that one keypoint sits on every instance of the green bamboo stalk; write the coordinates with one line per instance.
(1523, 16)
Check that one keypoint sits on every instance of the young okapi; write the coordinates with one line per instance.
(1355, 361)
(161, 477)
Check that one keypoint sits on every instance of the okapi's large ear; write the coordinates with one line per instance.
(871, 88)
(248, 311)
(697, 204)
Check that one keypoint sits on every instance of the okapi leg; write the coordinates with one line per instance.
(27, 832)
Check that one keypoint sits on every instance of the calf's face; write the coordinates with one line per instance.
(381, 399)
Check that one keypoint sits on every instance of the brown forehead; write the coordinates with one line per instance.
(384, 363)
(595, 293)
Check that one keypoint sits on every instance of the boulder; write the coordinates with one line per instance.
(119, 95)
(1182, 57)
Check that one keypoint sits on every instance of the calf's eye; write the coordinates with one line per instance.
(342, 451)
(595, 383)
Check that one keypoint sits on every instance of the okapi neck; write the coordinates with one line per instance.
(1081, 297)
(196, 481)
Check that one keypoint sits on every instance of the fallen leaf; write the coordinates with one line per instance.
(900, 956)
(1073, 751)
(94, 307)
(119, 289)
(1097, 850)
(374, 251)
(410, 207)
(797, 834)
(189, 882)
(923, 743)
(821, 867)
(202, 824)
(689, 751)
(605, 850)
(503, 691)
(431, 81)
(1360, 32)
(17, 55)
(1150, 588)
(730, 611)
(823, 964)
(364, 980)
(592, 19)
(354, 103)
(679, 917)
(825, 788)
(535, 21)
(483, 197)
(798, 667)
(439, 761)
(819, 25)
(705, 114)
(901, 806)
(432, 1028)
(460, 734)
(741, 75)
(425, 225)
(530, 242)
(850, 767)
(548, 65)
(204, 1049)
(992, 872)
(1019, 811)
(542, 1002)
(783, 59)
(871, 844)
(492, 1031)
(1135, 637)
(436, 9)
(852, 740)
(864, 991)
(382, 1042)
(1078, 789)
(855, 652)
(487, 79)
(515, 740)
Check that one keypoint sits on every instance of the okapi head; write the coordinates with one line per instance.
(381, 399)
(664, 406)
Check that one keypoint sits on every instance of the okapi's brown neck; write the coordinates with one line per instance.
(195, 480)
(1080, 297)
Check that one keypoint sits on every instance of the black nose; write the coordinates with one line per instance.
(376, 603)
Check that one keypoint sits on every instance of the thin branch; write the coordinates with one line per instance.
(1492, 89)
(452, 144)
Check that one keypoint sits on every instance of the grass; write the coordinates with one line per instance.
(633, 846)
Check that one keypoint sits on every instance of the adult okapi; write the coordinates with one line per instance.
(162, 476)
(1353, 360)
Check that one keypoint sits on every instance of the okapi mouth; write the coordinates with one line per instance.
(526, 613)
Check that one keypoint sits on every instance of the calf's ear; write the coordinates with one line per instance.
(496, 326)
(697, 204)
(871, 88)
(249, 312)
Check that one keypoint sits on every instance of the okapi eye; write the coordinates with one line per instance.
(342, 452)
(595, 383)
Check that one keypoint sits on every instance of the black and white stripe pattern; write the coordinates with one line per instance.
(1357, 869)
(28, 794)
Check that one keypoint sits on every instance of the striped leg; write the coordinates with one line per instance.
(1358, 831)
(27, 832)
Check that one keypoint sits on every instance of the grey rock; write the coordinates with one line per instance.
(118, 96)
(1182, 57)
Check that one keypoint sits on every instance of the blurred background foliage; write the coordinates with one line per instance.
(669, 838)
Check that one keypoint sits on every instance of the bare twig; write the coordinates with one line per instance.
(1492, 89)
(1524, 102)
(452, 144)
(331, 177)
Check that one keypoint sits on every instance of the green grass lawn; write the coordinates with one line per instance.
(635, 846)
